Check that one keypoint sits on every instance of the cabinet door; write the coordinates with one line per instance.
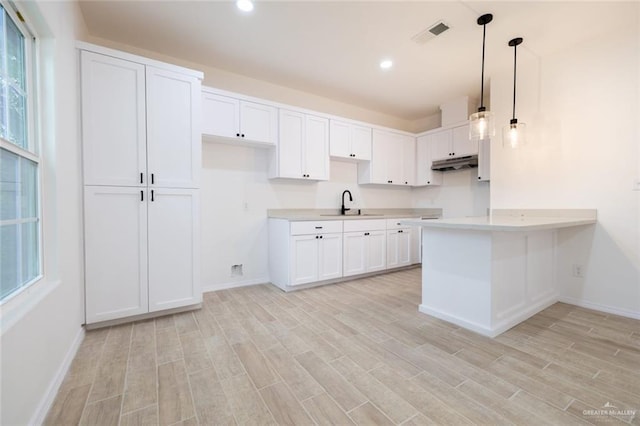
(376, 248)
(416, 244)
(392, 248)
(361, 142)
(316, 147)
(484, 160)
(330, 257)
(289, 148)
(462, 146)
(115, 237)
(354, 253)
(441, 144)
(304, 259)
(258, 122)
(174, 138)
(404, 246)
(220, 115)
(395, 147)
(339, 139)
(113, 121)
(174, 248)
(408, 167)
(379, 157)
(424, 158)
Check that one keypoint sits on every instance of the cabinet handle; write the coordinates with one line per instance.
(318, 227)
(141, 195)
(152, 179)
(479, 177)
(321, 236)
(317, 237)
(406, 183)
(237, 135)
(141, 177)
(400, 231)
(152, 195)
(242, 135)
(428, 181)
(366, 233)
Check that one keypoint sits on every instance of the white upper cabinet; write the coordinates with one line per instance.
(392, 160)
(484, 160)
(302, 151)
(425, 154)
(173, 129)
(140, 124)
(220, 115)
(114, 121)
(350, 141)
(461, 145)
(244, 121)
(453, 142)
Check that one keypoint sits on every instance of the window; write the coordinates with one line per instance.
(20, 260)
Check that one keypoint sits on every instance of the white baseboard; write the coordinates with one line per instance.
(603, 308)
(50, 395)
(234, 284)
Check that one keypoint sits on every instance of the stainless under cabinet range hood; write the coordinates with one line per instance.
(455, 163)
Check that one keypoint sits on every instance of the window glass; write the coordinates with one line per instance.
(19, 164)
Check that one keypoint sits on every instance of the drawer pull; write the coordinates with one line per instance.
(318, 227)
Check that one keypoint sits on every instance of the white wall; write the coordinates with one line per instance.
(236, 194)
(459, 195)
(41, 327)
(581, 105)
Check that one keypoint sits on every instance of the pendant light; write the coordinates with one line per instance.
(514, 135)
(481, 123)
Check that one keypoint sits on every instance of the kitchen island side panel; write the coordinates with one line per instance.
(456, 277)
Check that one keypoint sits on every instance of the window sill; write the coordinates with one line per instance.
(19, 304)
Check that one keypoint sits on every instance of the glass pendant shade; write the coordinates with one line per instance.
(481, 125)
(514, 135)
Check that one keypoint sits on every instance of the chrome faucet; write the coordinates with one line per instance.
(344, 210)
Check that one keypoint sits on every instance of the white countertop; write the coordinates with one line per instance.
(329, 214)
(514, 220)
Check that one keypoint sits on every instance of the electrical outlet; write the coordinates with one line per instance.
(578, 271)
(236, 270)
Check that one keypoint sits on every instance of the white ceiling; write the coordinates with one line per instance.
(332, 48)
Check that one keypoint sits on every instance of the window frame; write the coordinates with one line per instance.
(32, 150)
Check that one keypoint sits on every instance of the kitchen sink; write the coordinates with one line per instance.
(352, 215)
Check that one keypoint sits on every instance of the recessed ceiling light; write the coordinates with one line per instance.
(245, 5)
(386, 64)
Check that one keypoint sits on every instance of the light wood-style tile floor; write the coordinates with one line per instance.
(356, 352)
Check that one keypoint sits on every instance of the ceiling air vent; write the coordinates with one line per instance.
(434, 30)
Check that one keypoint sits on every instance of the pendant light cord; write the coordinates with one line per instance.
(484, 35)
(515, 48)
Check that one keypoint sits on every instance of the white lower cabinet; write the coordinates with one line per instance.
(398, 248)
(365, 243)
(141, 250)
(115, 221)
(174, 244)
(302, 252)
(315, 258)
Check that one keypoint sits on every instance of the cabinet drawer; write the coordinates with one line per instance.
(365, 225)
(316, 227)
(395, 223)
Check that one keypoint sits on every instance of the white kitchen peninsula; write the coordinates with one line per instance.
(490, 273)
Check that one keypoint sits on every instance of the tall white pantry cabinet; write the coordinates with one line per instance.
(141, 144)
